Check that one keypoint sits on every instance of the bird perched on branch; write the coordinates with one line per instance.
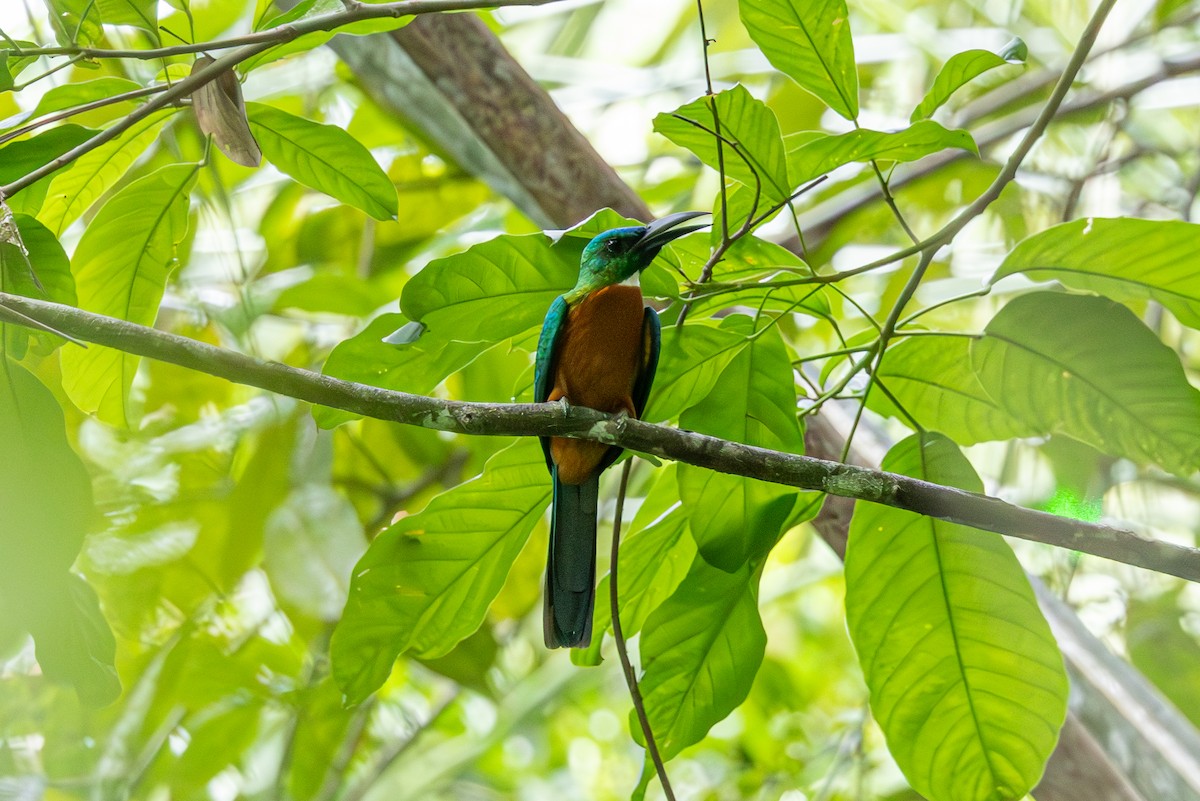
(599, 348)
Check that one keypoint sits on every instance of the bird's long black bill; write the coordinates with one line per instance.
(662, 231)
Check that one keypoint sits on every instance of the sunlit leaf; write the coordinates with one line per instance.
(18, 159)
(825, 154)
(70, 95)
(324, 158)
(73, 191)
(74, 21)
(735, 519)
(138, 13)
(1124, 259)
(932, 378)
(309, 41)
(416, 367)
(426, 582)
(810, 41)
(1086, 367)
(39, 258)
(961, 69)
(121, 267)
(692, 357)
(758, 158)
(700, 651)
(965, 677)
(11, 66)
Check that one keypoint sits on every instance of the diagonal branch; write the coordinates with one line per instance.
(541, 419)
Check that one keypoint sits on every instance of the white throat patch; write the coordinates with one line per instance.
(631, 280)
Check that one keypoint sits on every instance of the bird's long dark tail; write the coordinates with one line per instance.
(571, 567)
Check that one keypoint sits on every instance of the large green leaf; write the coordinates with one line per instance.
(966, 680)
(426, 582)
(138, 13)
(1123, 258)
(417, 367)
(18, 159)
(735, 519)
(810, 41)
(70, 95)
(825, 154)
(492, 291)
(932, 378)
(1087, 367)
(121, 267)
(310, 41)
(45, 510)
(961, 69)
(691, 359)
(324, 158)
(743, 120)
(700, 652)
(73, 191)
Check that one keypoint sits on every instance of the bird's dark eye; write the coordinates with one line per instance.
(612, 246)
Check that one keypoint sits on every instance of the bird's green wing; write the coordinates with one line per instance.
(543, 370)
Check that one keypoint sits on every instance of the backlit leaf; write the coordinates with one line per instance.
(932, 378)
(1088, 368)
(426, 582)
(1124, 259)
(965, 677)
(700, 652)
(810, 41)
(73, 191)
(825, 154)
(324, 158)
(961, 69)
(745, 121)
(121, 267)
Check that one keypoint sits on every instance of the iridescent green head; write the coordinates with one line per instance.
(619, 254)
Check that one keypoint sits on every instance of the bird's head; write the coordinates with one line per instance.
(620, 254)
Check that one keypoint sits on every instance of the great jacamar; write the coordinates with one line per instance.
(599, 348)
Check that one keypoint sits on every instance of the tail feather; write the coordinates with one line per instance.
(571, 566)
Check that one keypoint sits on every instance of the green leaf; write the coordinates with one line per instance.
(42, 256)
(691, 359)
(700, 652)
(961, 69)
(309, 41)
(965, 677)
(324, 158)
(746, 122)
(310, 546)
(426, 582)
(73, 191)
(11, 66)
(18, 159)
(1088, 368)
(70, 95)
(825, 154)
(808, 40)
(138, 13)
(75, 21)
(45, 510)
(493, 291)
(417, 367)
(121, 267)
(932, 378)
(1123, 258)
(735, 519)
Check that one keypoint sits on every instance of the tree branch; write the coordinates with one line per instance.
(555, 419)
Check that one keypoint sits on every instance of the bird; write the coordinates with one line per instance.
(598, 348)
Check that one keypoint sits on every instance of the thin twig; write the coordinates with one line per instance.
(635, 695)
(71, 112)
